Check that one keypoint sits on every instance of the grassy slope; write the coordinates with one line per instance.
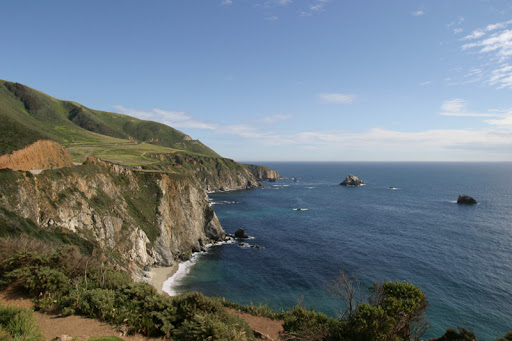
(27, 115)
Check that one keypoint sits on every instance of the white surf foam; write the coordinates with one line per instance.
(171, 284)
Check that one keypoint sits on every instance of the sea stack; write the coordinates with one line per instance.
(352, 180)
(466, 199)
(240, 233)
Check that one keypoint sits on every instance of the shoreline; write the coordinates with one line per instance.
(159, 275)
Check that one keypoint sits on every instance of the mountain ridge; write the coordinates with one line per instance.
(33, 115)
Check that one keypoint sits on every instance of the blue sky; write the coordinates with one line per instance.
(290, 80)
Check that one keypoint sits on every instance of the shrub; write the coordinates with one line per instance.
(395, 312)
(255, 310)
(39, 280)
(305, 324)
(507, 337)
(18, 324)
(460, 335)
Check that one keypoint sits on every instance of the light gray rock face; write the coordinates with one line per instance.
(146, 218)
(352, 180)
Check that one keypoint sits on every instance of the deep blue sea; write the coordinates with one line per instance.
(460, 256)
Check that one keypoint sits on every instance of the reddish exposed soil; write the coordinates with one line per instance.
(43, 154)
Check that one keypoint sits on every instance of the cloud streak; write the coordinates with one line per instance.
(418, 13)
(383, 142)
(338, 98)
(175, 119)
(458, 107)
(495, 41)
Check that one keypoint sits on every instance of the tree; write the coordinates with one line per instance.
(395, 310)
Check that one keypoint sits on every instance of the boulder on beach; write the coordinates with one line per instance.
(466, 199)
(240, 233)
(352, 180)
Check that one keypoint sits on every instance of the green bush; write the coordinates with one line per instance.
(305, 324)
(507, 337)
(395, 312)
(262, 310)
(18, 324)
(460, 335)
(40, 280)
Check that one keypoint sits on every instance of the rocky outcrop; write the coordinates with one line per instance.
(240, 233)
(142, 218)
(352, 180)
(263, 173)
(215, 174)
(466, 199)
(43, 154)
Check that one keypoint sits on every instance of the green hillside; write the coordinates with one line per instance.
(27, 115)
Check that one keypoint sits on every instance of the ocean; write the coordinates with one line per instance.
(460, 256)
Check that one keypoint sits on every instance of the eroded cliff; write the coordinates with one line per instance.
(142, 218)
(215, 174)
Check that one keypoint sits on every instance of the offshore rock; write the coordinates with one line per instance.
(352, 180)
(240, 233)
(466, 199)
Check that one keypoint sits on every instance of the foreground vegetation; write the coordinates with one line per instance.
(62, 280)
(65, 282)
(18, 324)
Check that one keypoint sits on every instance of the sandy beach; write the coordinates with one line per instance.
(159, 275)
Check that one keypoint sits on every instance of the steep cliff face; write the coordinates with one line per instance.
(42, 154)
(142, 218)
(262, 172)
(216, 174)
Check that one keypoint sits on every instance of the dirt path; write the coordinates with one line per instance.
(82, 328)
(75, 326)
(263, 327)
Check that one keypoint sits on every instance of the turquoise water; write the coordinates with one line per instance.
(460, 256)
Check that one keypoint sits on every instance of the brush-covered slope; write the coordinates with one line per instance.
(28, 115)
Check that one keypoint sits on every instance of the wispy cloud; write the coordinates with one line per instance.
(315, 7)
(276, 118)
(379, 141)
(454, 105)
(480, 32)
(505, 122)
(458, 107)
(227, 2)
(425, 83)
(175, 119)
(502, 76)
(418, 13)
(499, 43)
(280, 3)
(494, 41)
(337, 98)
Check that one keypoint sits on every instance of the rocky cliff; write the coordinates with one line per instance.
(42, 154)
(263, 173)
(215, 174)
(141, 218)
